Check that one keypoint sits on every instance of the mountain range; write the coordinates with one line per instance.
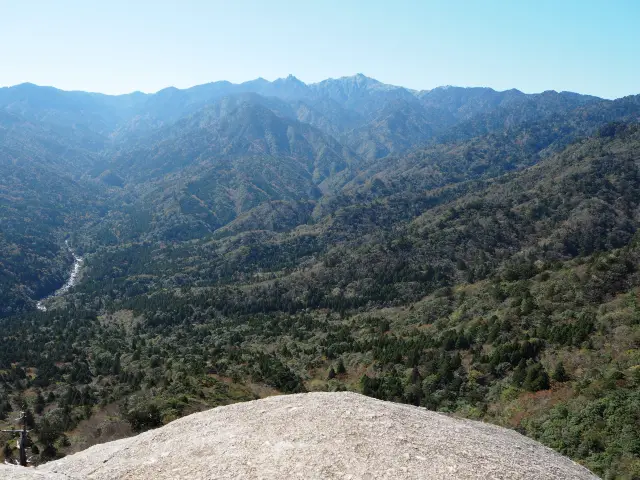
(463, 249)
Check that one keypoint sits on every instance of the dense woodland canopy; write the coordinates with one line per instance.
(464, 250)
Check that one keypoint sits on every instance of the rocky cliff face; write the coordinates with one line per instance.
(315, 435)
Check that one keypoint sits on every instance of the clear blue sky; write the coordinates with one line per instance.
(120, 46)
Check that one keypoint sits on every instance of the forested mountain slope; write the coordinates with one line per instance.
(466, 250)
(246, 128)
(42, 199)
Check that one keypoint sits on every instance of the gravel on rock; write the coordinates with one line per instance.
(316, 436)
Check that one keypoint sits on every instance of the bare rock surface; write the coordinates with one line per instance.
(316, 436)
(14, 472)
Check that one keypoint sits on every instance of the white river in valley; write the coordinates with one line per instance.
(73, 279)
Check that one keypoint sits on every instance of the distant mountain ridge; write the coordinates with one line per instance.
(190, 161)
(351, 91)
(356, 110)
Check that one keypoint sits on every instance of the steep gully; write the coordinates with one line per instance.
(73, 279)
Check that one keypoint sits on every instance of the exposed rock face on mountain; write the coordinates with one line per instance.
(316, 435)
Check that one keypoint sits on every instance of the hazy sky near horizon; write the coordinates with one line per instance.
(118, 46)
